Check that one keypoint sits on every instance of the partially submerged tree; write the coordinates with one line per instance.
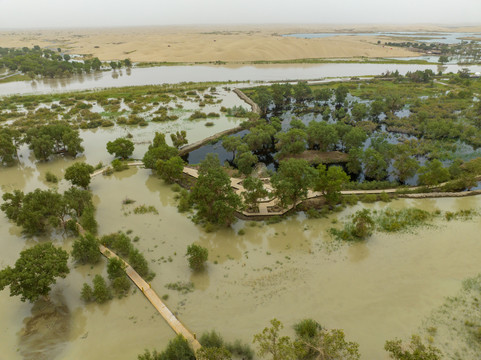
(177, 349)
(79, 174)
(85, 249)
(159, 150)
(415, 350)
(121, 147)
(40, 210)
(197, 256)
(330, 182)
(35, 271)
(170, 170)
(179, 138)
(292, 181)
(271, 343)
(254, 192)
(212, 195)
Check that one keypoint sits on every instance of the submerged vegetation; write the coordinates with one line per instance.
(362, 223)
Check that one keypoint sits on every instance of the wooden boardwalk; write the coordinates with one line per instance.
(270, 206)
(152, 296)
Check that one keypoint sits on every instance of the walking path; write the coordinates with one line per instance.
(270, 206)
(150, 294)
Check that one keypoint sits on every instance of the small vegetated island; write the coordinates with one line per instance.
(313, 147)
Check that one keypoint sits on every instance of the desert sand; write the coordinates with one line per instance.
(215, 43)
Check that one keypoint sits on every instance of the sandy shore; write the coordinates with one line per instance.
(213, 43)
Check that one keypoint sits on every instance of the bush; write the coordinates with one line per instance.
(87, 293)
(49, 177)
(101, 292)
(85, 250)
(118, 165)
(197, 256)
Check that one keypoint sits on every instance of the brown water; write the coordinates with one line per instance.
(375, 291)
(206, 73)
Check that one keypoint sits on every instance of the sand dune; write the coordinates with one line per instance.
(213, 43)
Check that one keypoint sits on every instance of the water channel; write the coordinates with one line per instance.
(206, 73)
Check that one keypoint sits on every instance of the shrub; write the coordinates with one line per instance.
(49, 177)
(197, 256)
(85, 250)
(118, 165)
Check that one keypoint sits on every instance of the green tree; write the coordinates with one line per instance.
(291, 142)
(171, 170)
(443, 59)
(263, 98)
(177, 349)
(140, 264)
(121, 147)
(321, 136)
(260, 137)
(292, 181)
(330, 182)
(35, 271)
(245, 161)
(323, 94)
(232, 143)
(85, 249)
(406, 166)
(213, 197)
(302, 92)
(363, 224)
(79, 174)
(359, 111)
(415, 350)
(8, 147)
(378, 107)
(271, 343)
(101, 292)
(213, 353)
(197, 256)
(36, 211)
(355, 138)
(433, 173)
(115, 268)
(179, 138)
(341, 93)
(254, 192)
(159, 150)
(375, 167)
(328, 344)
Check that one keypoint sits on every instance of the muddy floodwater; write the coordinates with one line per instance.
(376, 290)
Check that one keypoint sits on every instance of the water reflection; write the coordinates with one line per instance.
(46, 332)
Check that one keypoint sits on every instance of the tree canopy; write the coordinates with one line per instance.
(121, 147)
(79, 174)
(292, 181)
(212, 195)
(35, 271)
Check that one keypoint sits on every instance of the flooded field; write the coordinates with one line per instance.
(376, 290)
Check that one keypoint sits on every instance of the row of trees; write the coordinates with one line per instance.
(50, 63)
(44, 141)
(311, 342)
(45, 62)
